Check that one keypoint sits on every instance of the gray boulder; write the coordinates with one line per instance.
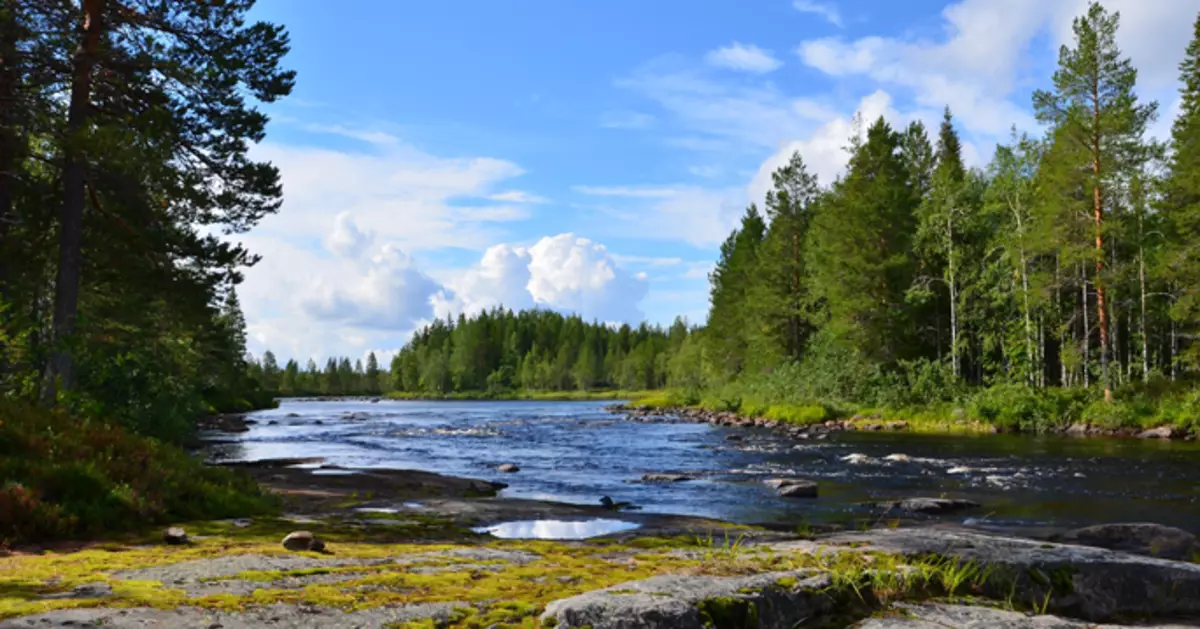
(303, 541)
(928, 506)
(793, 487)
(1076, 581)
(1162, 432)
(778, 600)
(666, 478)
(508, 468)
(1139, 538)
(937, 616)
(175, 536)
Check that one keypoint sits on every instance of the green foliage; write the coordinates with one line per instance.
(67, 476)
(1015, 407)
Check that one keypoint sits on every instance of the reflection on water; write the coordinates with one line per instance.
(556, 529)
(577, 452)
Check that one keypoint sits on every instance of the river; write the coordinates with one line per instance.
(578, 452)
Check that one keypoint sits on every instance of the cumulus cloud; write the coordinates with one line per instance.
(564, 272)
(828, 11)
(346, 239)
(388, 292)
(744, 58)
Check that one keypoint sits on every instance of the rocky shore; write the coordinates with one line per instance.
(867, 423)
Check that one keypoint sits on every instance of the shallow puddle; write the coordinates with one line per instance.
(556, 529)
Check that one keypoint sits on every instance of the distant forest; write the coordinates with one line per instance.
(497, 352)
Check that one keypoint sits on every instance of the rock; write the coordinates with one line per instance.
(666, 478)
(175, 536)
(1162, 432)
(929, 506)
(1153, 540)
(898, 458)
(793, 487)
(897, 425)
(508, 468)
(856, 458)
(961, 469)
(273, 422)
(293, 414)
(779, 599)
(799, 489)
(1078, 429)
(734, 438)
(303, 541)
(1088, 583)
(941, 616)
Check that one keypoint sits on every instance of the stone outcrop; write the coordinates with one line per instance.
(1140, 538)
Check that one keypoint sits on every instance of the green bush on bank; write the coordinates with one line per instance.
(68, 477)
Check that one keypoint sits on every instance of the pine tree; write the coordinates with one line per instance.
(778, 309)
(1181, 205)
(371, 375)
(1093, 106)
(728, 295)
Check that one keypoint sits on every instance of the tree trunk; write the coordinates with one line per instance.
(1098, 211)
(1142, 297)
(1087, 328)
(61, 371)
(953, 297)
(8, 135)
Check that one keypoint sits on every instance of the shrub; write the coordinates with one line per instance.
(802, 415)
(1016, 407)
(70, 477)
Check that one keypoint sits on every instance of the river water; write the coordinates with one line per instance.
(578, 452)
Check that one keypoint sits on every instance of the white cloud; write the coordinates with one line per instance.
(828, 11)
(745, 58)
(517, 196)
(386, 292)
(700, 216)
(627, 120)
(346, 239)
(563, 272)
(626, 191)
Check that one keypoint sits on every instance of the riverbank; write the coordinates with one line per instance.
(934, 419)
(405, 549)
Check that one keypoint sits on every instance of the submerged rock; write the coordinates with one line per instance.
(303, 541)
(508, 468)
(773, 600)
(929, 506)
(666, 478)
(1139, 538)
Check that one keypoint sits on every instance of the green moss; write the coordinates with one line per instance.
(729, 613)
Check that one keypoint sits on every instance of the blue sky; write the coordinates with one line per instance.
(441, 157)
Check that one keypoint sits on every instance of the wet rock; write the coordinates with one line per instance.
(1162, 432)
(941, 616)
(1139, 538)
(856, 458)
(293, 414)
(793, 487)
(1078, 429)
(734, 438)
(273, 422)
(1082, 582)
(929, 506)
(303, 541)
(780, 599)
(898, 458)
(508, 468)
(175, 536)
(666, 478)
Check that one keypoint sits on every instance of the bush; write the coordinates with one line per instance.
(802, 415)
(71, 477)
(1018, 408)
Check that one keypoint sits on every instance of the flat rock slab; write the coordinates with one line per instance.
(779, 600)
(280, 616)
(935, 616)
(222, 567)
(1088, 583)
(1154, 540)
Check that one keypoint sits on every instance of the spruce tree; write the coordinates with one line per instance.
(1181, 203)
(729, 302)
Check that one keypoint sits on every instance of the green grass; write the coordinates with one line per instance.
(69, 477)
(543, 396)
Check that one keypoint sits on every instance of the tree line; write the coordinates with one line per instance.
(124, 134)
(498, 352)
(1069, 260)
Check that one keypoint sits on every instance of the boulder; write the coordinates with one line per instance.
(1162, 432)
(1139, 538)
(175, 536)
(778, 600)
(303, 541)
(1093, 584)
(508, 468)
(733, 438)
(666, 478)
(1078, 429)
(793, 487)
(929, 506)
(942, 616)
